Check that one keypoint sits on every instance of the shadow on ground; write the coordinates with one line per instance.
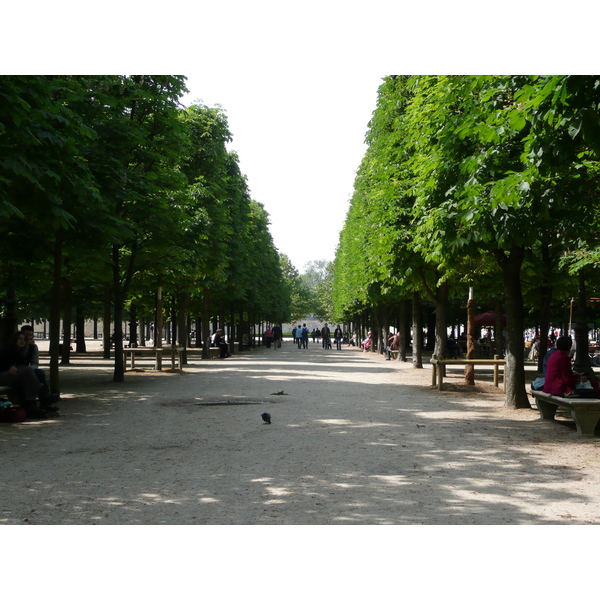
(350, 443)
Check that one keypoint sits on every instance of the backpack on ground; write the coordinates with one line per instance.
(13, 414)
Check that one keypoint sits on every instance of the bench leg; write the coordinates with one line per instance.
(586, 421)
(547, 410)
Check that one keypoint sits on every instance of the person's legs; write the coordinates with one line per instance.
(27, 385)
(44, 389)
(45, 397)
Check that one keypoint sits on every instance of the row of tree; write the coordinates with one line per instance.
(483, 182)
(114, 196)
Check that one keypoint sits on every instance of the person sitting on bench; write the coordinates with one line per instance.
(32, 359)
(393, 344)
(366, 343)
(14, 373)
(561, 380)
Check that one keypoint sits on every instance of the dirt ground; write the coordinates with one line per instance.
(354, 439)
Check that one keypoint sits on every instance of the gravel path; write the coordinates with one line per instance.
(354, 439)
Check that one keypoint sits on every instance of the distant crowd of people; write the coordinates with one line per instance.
(301, 337)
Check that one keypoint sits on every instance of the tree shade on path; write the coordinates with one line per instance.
(354, 439)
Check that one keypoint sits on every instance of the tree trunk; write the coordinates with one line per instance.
(183, 323)
(142, 332)
(582, 363)
(510, 264)
(158, 327)
(441, 333)
(119, 368)
(417, 333)
(67, 320)
(172, 328)
(80, 331)
(470, 369)
(376, 330)
(133, 338)
(55, 314)
(431, 318)
(106, 341)
(385, 329)
(9, 320)
(242, 329)
(546, 291)
(205, 324)
(198, 331)
(234, 331)
(404, 329)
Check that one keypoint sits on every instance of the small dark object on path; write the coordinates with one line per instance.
(420, 425)
(266, 417)
(281, 393)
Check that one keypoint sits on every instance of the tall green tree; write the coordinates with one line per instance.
(136, 166)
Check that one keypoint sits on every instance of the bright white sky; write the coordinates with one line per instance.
(300, 139)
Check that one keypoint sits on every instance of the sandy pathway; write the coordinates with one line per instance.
(355, 439)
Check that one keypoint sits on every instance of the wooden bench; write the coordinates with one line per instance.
(394, 354)
(584, 411)
(175, 353)
(438, 365)
(157, 352)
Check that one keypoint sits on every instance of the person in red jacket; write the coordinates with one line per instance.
(560, 377)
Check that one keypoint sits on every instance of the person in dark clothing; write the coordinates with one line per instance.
(269, 337)
(32, 359)
(326, 336)
(221, 343)
(451, 347)
(560, 378)
(15, 373)
(277, 333)
(304, 336)
(337, 335)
